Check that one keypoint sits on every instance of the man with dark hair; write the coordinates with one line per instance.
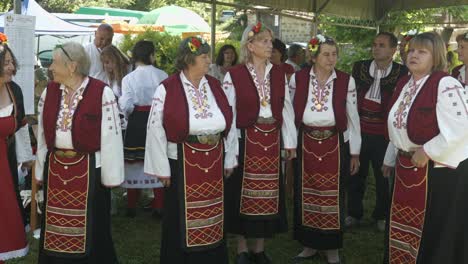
(102, 38)
(375, 82)
(296, 56)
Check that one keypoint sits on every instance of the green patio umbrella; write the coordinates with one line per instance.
(176, 20)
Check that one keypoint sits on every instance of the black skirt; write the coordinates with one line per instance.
(248, 227)
(135, 136)
(102, 247)
(317, 238)
(171, 249)
(440, 231)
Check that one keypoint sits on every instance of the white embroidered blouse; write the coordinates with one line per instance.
(110, 156)
(205, 118)
(319, 108)
(450, 146)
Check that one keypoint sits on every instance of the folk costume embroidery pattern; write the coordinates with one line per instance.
(263, 86)
(320, 95)
(199, 99)
(68, 108)
(403, 108)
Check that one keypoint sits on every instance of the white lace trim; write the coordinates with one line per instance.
(14, 254)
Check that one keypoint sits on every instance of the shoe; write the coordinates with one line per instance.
(299, 259)
(243, 258)
(352, 221)
(261, 258)
(381, 225)
(131, 212)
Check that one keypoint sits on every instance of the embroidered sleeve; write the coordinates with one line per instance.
(41, 144)
(288, 129)
(126, 101)
(390, 155)
(112, 170)
(292, 87)
(156, 154)
(231, 142)
(449, 147)
(229, 90)
(354, 126)
(23, 145)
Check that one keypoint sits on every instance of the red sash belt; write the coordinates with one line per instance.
(203, 194)
(407, 212)
(142, 108)
(320, 179)
(67, 204)
(372, 117)
(260, 184)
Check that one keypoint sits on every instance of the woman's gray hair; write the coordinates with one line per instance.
(186, 57)
(74, 52)
(245, 55)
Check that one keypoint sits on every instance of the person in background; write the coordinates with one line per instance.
(191, 146)
(375, 81)
(255, 196)
(102, 38)
(79, 159)
(278, 57)
(116, 66)
(329, 146)
(15, 148)
(226, 59)
(427, 127)
(138, 88)
(461, 72)
(296, 56)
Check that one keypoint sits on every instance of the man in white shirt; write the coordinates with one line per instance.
(102, 38)
(296, 55)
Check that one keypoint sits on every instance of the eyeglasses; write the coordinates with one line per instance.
(64, 51)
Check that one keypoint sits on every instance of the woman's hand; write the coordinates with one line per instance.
(419, 158)
(354, 164)
(387, 171)
(228, 172)
(166, 182)
(290, 154)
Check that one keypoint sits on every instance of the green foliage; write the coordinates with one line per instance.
(166, 47)
(5, 6)
(65, 6)
(349, 54)
(235, 26)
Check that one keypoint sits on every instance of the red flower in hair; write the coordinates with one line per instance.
(408, 37)
(3, 38)
(257, 27)
(314, 41)
(196, 42)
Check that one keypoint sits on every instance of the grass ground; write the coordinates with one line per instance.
(137, 240)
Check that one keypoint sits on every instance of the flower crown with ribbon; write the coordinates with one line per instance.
(410, 35)
(315, 42)
(3, 41)
(195, 43)
(257, 28)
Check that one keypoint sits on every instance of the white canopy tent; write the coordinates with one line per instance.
(47, 23)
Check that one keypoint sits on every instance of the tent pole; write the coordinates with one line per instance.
(38, 41)
(213, 30)
(17, 6)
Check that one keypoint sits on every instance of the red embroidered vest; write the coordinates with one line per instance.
(86, 124)
(340, 93)
(456, 72)
(247, 98)
(422, 123)
(176, 111)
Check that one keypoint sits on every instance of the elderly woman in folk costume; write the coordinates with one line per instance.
(191, 144)
(264, 114)
(79, 158)
(138, 88)
(426, 125)
(15, 147)
(330, 141)
(461, 72)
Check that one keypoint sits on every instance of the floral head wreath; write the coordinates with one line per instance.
(257, 28)
(195, 43)
(3, 41)
(315, 42)
(410, 35)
